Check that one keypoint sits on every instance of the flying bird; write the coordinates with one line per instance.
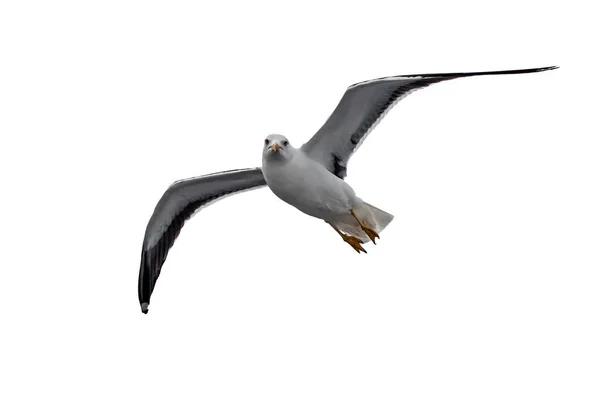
(309, 177)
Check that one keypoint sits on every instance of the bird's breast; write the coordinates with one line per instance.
(313, 191)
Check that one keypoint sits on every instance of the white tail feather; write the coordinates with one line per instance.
(372, 216)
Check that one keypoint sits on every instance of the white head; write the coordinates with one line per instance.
(277, 148)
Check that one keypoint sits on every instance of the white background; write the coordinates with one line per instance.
(485, 286)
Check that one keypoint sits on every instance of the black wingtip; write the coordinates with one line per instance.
(518, 71)
(504, 72)
(145, 308)
(453, 75)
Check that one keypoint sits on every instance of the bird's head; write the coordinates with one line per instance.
(277, 147)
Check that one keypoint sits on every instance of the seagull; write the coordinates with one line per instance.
(309, 178)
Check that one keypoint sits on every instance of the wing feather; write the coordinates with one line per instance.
(179, 203)
(363, 106)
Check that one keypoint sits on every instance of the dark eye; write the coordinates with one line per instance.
(285, 142)
(266, 141)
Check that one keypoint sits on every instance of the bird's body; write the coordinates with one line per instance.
(307, 185)
(310, 178)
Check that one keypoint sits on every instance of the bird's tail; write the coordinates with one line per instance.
(372, 216)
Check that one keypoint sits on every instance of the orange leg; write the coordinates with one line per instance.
(369, 231)
(351, 240)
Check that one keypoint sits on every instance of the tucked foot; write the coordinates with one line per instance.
(371, 233)
(355, 243)
(351, 240)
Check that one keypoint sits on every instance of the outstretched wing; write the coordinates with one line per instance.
(180, 202)
(363, 106)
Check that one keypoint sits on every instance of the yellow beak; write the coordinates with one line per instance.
(275, 146)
